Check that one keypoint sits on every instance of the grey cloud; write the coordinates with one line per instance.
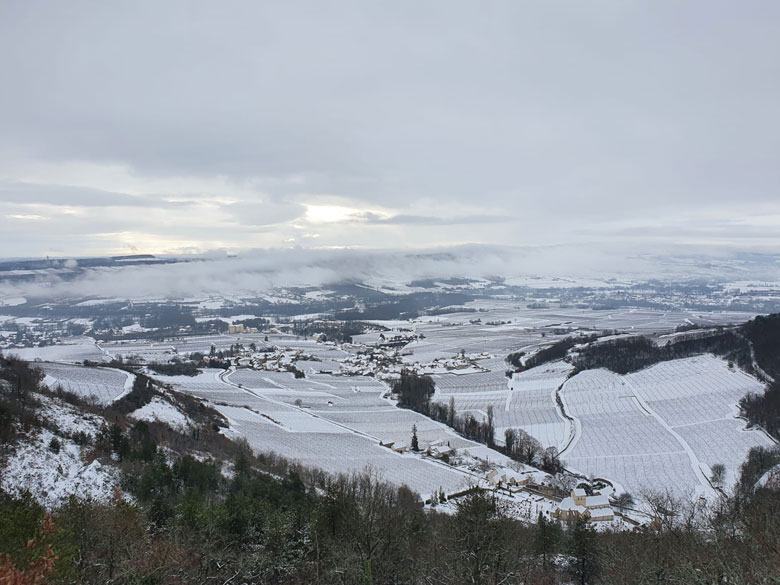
(64, 195)
(405, 219)
(556, 112)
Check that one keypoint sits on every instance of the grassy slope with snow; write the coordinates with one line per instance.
(54, 476)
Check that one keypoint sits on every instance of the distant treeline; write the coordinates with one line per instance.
(556, 351)
(176, 368)
(630, 354)
(340, 331)
(764, 409)
(407, 307)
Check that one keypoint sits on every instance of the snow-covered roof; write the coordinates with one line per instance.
(578, 492)
(568, 505)
(596, 501)
(511, 474)
(601, 513)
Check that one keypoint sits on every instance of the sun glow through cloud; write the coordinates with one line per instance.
(330, 213)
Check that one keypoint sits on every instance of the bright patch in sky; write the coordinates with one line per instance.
(329, 213)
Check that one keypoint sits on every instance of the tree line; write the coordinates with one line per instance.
(415, 391)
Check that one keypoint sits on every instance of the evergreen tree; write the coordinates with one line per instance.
(547, 538)
(583, 548)
(415, 443)
(510, 438)
(490, 429)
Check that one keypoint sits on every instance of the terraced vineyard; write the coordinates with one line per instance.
(527, 402)
(331, 422)
(663, 427)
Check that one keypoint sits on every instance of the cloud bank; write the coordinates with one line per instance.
(260, 271)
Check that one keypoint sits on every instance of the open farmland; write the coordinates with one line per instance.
(344, 452)
(450, 334)
(660, 428)
(99, 385)
(527, 402)
(161, 351)
(634, 319)
(337, 439)
(532, 406)
(316, 391)
(74, 350)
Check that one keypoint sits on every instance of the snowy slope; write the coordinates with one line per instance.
(159, 410)
(52, 477)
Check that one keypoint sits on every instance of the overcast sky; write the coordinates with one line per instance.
(171, 127)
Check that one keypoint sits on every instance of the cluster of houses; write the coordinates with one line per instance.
(592, 508)
(241, 328)
(579, 504)
(38, 334)
(381, 363)
(380, 360)
(454, 365)
(436, 449)
(276, 361)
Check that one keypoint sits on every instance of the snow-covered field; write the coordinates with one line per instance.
(658, 429)
(335, 449)
(527, 402)
(99, 385)
(74, 350)
(661, 428)
(335, 423)
(532, 405)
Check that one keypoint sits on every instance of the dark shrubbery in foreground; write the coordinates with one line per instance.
(191, 524)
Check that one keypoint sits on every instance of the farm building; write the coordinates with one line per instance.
(440, 451)
(595, 508)
(396, 446)
(505, 477)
